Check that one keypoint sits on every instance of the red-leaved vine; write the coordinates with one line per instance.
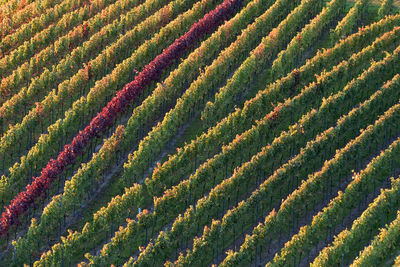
(107, 116)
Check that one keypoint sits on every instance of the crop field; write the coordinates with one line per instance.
(199, 133)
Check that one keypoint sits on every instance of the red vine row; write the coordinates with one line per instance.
(107, 116)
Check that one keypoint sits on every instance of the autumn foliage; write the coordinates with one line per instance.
(110, 112)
